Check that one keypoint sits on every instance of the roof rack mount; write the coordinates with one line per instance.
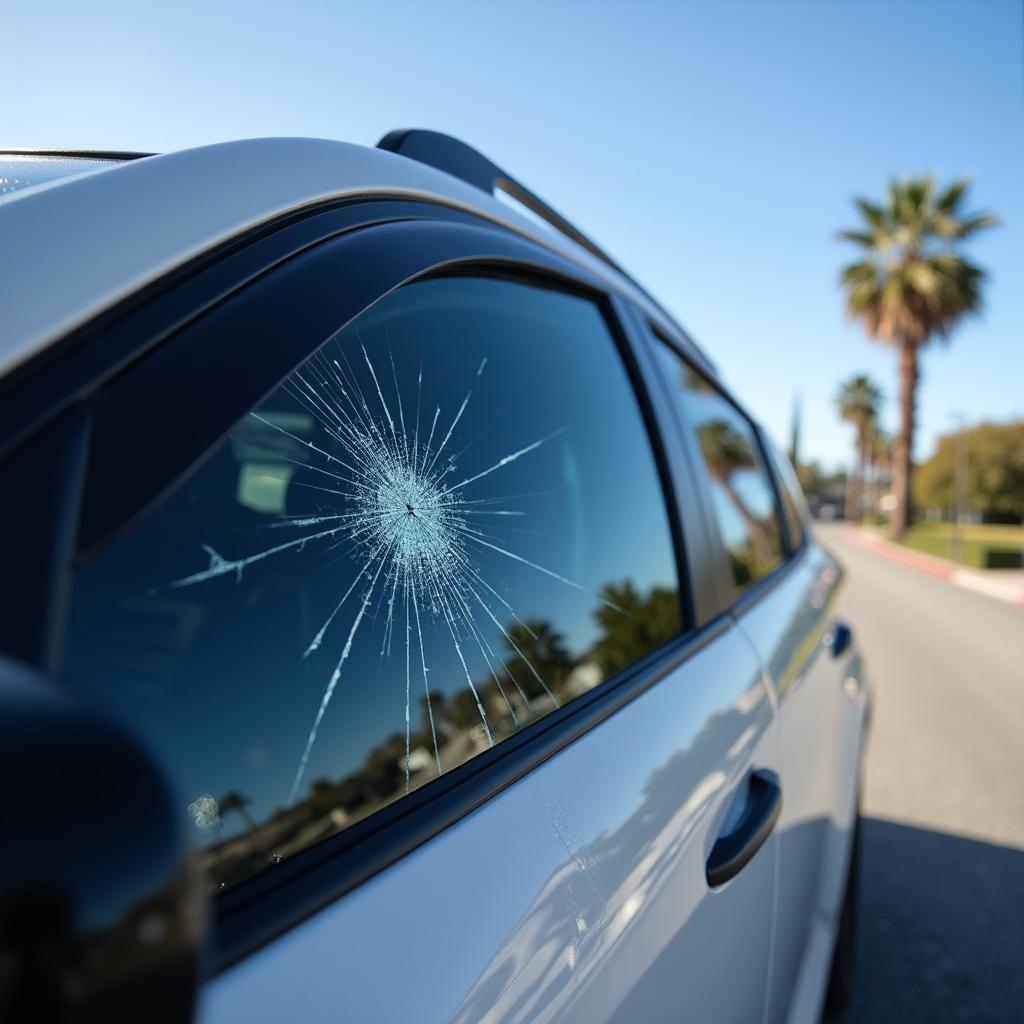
(462, 161)
(454, 157)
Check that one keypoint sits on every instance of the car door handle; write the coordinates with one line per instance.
(839, 639)
(733, 851)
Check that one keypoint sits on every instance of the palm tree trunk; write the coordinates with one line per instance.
(876, 482)
(870, 486)
(903, 468)
(852, 484)
(862, 476)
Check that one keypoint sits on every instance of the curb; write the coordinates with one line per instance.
(969, 579)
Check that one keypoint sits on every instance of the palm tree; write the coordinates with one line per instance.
(858, 400)
(911, 284)
(879, 460)
(239, 803)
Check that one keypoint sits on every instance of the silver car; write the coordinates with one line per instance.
(403, 621)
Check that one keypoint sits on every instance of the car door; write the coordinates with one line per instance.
(404, 603)
(807, 651)
(784, 592)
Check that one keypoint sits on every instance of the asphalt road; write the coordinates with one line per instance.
(941, 927)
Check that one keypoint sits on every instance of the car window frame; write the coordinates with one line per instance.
(257, 911)
(731, 600)
(771, 454)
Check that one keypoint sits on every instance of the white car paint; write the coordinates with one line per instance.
(76, 246)
(575, 894)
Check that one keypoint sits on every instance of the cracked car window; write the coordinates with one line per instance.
(443, 526)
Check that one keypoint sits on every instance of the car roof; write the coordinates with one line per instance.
(75, 246)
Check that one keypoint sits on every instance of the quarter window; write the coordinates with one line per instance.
(793, 505)
(741, 487)
(443, 526)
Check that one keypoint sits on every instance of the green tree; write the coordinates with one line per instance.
(462, 709)
(794, 434)
(810, 476)
(384, 766)
(238, 803)
(535, 646)
(858, 401)
(321, 795)
(994, 484)
(911, 284)
(633, 624)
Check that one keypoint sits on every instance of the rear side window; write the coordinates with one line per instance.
(740, 482)
(442, 527)
(794, 507)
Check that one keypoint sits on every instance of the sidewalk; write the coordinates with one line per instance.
(1004, 584)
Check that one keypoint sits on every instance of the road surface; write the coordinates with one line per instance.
(941, 927)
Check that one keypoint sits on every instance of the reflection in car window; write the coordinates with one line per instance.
(443, 526)
(741, 486)
(793, 504)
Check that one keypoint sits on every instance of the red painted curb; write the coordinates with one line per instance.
(929, 564)
(925, 563)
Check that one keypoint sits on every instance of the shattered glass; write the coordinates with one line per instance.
(441, 527)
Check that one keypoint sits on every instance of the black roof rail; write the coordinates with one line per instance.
(454, 157)
(462, 161)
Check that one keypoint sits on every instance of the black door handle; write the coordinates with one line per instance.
(839, 639)
(732, 852)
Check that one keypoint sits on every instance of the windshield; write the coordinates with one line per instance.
(20, 171)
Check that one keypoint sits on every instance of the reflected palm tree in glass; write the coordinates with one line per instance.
(727, 452)
(238, 803)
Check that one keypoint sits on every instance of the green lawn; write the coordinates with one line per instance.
(983, 546)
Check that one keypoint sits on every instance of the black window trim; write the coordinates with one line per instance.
(768, 453)
(75, 367)
(256, 911)
(700, 538)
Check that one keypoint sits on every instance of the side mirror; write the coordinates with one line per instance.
(101, 912)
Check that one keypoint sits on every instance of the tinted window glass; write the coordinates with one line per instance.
(740, 483)
(793, 504)
(443, 526)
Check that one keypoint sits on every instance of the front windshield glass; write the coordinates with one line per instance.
(23, 171)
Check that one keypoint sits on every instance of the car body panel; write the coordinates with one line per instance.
(75, 247)
(576, 894)
(821, 722)
(26, 170)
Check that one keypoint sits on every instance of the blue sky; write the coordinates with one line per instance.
(712, 148)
